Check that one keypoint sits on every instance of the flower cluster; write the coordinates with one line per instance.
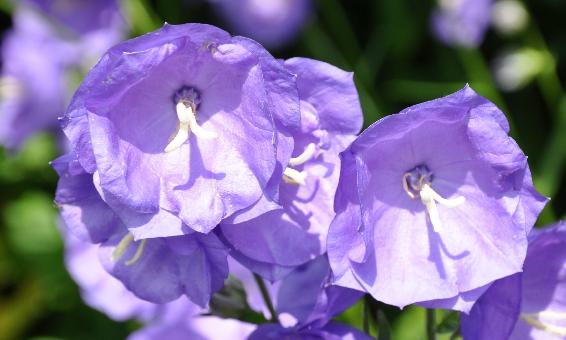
(192, 148)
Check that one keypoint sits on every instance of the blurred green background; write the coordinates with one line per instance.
(397, 62)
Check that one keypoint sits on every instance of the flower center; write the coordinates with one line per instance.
(535, 320)
(123, 246)
(187, 100)
(294, 176)
(418, 183)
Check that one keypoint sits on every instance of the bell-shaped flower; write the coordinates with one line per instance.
(183, 127)
(528, 305)
(434, 203)
(179, 319)
(158, 269)
(330, 118)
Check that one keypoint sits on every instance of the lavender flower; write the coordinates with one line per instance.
(433, 203)
(183, 127)
(273, 23)
(529, 305)
(42, 59)
(462, 22)
(330, 118)
(158, 269)
(179, 319)
(172, 132)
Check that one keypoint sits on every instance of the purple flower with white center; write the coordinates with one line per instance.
(529, 305)
(273, 23)
(183, 127)
(434, 203)
(331, 116)
(159, 269)
(40, 63)
(462, 22)
(310, 315)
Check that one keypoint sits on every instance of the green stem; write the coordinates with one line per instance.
(367, 313)
(430, 324)
(266, 298)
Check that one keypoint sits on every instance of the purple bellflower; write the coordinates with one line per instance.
(42, 57)
(528, 305)
(309, 316)
(462, 22)
(178, 319)
(434, 203)
(172, 132)
(273, 23)
(330, 118)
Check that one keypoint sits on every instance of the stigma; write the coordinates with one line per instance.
(294, 176)
(417, 183)
(123, 245)
(187, 101)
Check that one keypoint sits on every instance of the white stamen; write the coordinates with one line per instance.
(304, 157)
(429, 197)
(552, 329)
(187, 123)
(293, 176)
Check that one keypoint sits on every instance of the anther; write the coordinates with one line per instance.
(303, 157)
(138, 253)
(293, 176)
(532, 319)
(123, 246)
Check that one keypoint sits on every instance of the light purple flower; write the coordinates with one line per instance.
(41, 63)
(462, 22)
(433, 203)
(330, 118)
(172, 132)
(158, 269)
(529, 305)
(179, 319)
(273, 23)
(183, 127)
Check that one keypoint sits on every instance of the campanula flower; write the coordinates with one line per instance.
(159, 269)
(433, 203)
(528, 305)
(462, 22)
(183, 127)
(331, 116)
(274, 23)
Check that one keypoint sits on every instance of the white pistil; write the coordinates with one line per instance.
(293, 176)
(123, 246)
(187, 123)
(429, 198)
(532, 320)
(304, 157)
